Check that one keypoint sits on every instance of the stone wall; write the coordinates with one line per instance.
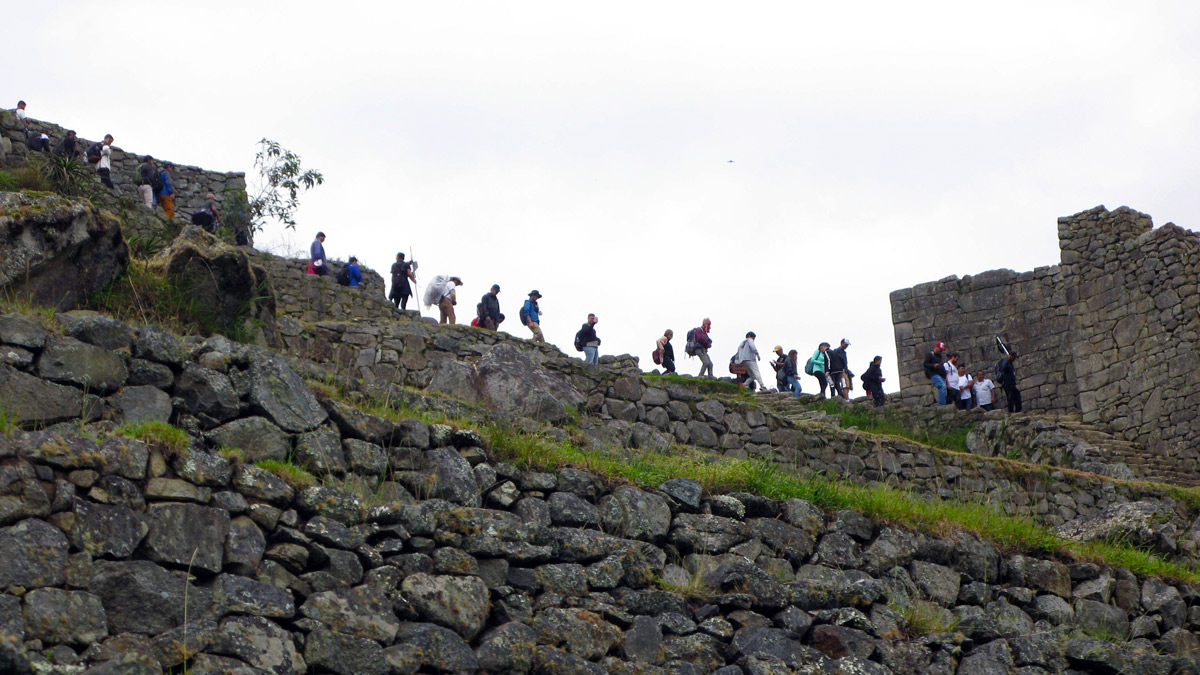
(1110, 335)
(411, 548)
(310, 298)
(192, 183)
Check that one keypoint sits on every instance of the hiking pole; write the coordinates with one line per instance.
(1001, 344)
(417, 290)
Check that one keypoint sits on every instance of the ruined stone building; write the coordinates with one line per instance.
(1110, 334)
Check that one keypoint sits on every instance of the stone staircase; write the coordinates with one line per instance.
(1094, 448)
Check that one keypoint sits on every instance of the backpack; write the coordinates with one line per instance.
(579, 340)
(94, 152)
(656, 356)
(809, 368)
(691, 346)
(203, 218)
(343, 277)
(523, 316)
(156, 182)
(999, 372)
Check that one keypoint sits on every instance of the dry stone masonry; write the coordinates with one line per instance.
(1111, 334)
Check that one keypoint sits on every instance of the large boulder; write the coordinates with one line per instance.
(57, 250)
(221, 279)
(1142, 523)
(506, 378)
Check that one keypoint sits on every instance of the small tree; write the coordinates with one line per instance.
(283, 179)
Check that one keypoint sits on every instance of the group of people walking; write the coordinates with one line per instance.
(954, 385)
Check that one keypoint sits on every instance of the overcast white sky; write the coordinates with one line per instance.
(584, 149)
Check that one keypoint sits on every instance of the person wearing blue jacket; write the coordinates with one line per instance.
(533, 315)
(355, 273)
(166, 194)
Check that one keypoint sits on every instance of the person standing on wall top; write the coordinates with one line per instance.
(791, 372)
(104, 166)
(317, 264)
(872, 381)
(781, 382)
(983, 391)
(966, 388)
(1008, 380)
(166, 193)
(531, 315)
(935, 371)
(840, 383)
(703, 344)
(147, 179)
(591, 343)
(449, 300)
(820, 366)
(747, 354)
(667, 351)
(355, 274)
(20, 113)
(489, 312)
(401, 274)
(950, 368)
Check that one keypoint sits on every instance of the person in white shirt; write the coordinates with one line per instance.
(965, 388)
(104, 166)
(983, 391)
(951, 367)
(448, 301)
(20, 111)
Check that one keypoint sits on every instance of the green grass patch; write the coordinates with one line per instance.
(288, 472)
(231, 455)
(883, 504)
(889, 423)
(171, 441)
(698, 384)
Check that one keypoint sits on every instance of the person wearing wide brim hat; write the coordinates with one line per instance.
(531, 315)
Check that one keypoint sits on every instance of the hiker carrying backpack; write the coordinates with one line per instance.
(343, 276)
(579, 340)
(691, 346)
(94, 152)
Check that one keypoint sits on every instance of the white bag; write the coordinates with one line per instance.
(433, 292)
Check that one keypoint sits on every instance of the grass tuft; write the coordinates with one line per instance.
(288, 472)
(889, 423)
(171, 441)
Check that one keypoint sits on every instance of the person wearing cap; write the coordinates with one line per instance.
(533, 315)
(1008, 380)
(936, 372)
(747, 354)
(820, 366)
(317, 263)
(667, 351)
(781, 382)
(703, 343)
(872, 381)
(840, 383)
(449, 300)
(489, 309)
(401, 274)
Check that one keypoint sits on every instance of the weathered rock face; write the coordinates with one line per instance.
(57, 250)
(222, 279)
(506, 378)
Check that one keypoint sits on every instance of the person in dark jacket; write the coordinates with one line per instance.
(591, 343)
(936, 372)
(401, 274)
(666, 351)
(316, 256)
(489, 310)
(147, 178)
(781, 382)
(69, 147)
(839, 371)
(790, 373)
(1008, 380)
(873, 381)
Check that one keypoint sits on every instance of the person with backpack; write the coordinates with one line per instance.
(818, 365)
(936, 372)
(587, 339)
(104, 160)
(839, 372)
(147, 181)
(37, 140)
(872, 381)
(489, 309)
(401, 290)
(531, 316)
(449, 300)
(703, 344)
(791, 373)
(166, 190)
(350, 275)
(781, 382)
(747, 354)
(209, 218)
(666, 352)
(1008, 380)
